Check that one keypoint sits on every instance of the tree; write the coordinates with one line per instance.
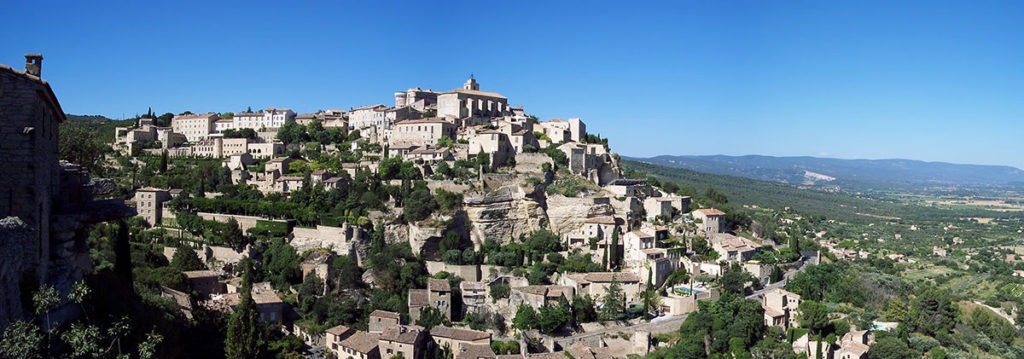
(163, 161)
(123, 253)
(583, 309)
(933, 312)
(613, 303)
(21, 340)
(420, 204)
(735, 280)
(430, 317)
(80, 145)
(551, 318)
(231, 234)
(613, 249)
(526, 317)
(186, 259)
(245, 337)
(891, 347)
(499, 291)
(813, 316)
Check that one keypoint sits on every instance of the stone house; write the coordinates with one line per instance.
(710, 219)
(380, 320)
(596, 284)
(346, 342)
(421, 132)
(437, 295)
(278, 165)
(492, 142)
(733, 248)
(538, 295)
(659, 206)
(780, 308)
(418, 99)
(149, 204)
(855, 345)
(205, 282)
(407, 340)
(474, 295)
(457, 338)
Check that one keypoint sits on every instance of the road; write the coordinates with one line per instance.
(972, 281)
(782, 283)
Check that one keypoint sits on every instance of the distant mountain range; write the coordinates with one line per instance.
(850, 174)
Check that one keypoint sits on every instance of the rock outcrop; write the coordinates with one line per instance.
(506, 212)
(567, 214)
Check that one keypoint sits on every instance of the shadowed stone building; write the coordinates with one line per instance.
(44, 204)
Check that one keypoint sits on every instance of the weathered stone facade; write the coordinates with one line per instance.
(52, 201)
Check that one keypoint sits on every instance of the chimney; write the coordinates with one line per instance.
(34, 64)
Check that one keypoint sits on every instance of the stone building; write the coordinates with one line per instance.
(710, 219)
(780, 308)
(457, 338)
(149, 204)
(380, 320)
(268, 118)
(419, 99)
(195, 127)
(44, 203)
(421, 132)
(469, 101)
(438, 295)
(409, 341)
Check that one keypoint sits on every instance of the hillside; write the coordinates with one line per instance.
(103, 127)
(847, 174)
(834, 205)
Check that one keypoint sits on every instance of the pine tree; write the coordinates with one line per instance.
(245, 337)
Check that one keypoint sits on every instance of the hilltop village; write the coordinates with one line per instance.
(453, 224)
(449, 225)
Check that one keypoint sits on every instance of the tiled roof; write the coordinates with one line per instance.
(438, 285)
(458, 333)
(405, 334)
(605, 277)
(419, 297)
(362, 342)
(385, 314)
(710, 212)
(475, 351)
(338, 330)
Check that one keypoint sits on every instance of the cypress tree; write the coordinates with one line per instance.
(245, 337)
(123, 254)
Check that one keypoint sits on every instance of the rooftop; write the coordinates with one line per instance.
(362, 342)
(385, 314)
(459, 333)
(438, 285)
(405, 334)
(200, 274)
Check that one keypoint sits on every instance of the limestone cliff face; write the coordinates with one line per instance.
(509, 210)
(566, 214)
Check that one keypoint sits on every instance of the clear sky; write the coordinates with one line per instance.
(928, 80)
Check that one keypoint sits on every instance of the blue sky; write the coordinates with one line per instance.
(928, 80)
